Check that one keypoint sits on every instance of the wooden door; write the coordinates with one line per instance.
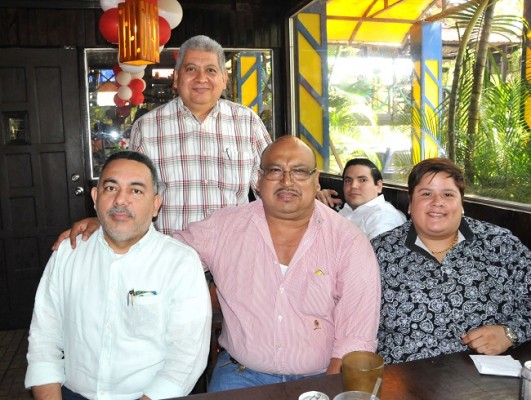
(41, 168)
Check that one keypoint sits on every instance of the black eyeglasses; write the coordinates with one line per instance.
(277, 174)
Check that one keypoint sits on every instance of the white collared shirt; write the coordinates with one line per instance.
(115, 345)
(374, 217)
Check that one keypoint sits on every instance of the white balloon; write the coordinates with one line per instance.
(171, 11)
(138, 75)
(132, 69)
(124, 92)
(108, 4)
(123, 78)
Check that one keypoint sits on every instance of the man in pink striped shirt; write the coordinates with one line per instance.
(298, 284)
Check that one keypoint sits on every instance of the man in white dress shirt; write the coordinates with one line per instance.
(365, 204)
(127, 314)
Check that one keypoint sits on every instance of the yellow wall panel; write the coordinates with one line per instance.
(310, 65)
(249, 90)
(312, 23)
(311, 114)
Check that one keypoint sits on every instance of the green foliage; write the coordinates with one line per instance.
(498, 154)
(503, 148)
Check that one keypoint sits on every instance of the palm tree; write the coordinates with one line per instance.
(471, 73)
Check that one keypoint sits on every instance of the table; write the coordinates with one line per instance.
(448, 377)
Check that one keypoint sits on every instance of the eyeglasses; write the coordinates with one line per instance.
(298, 174)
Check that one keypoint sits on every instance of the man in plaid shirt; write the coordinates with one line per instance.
(207, 149)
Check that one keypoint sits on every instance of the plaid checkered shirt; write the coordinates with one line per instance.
(204, 165)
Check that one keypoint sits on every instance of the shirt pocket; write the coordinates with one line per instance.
(316, 294)
(146, 316)
(237, 168)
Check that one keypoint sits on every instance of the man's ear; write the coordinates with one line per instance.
(225, 80)
(379, 186)
(174, 86)
(94, 194)
(157, 201)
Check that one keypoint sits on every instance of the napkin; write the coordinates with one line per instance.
(497, 365)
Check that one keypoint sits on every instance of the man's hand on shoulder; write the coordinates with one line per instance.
(326, 196)
(86, 227)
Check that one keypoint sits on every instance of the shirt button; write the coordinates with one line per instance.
(279, 346)
(281, 290)
(280, 317)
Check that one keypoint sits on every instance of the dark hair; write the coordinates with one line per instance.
(135, 156)
(434, 166)
(375, 172)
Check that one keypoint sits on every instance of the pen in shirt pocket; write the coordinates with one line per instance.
(138, 293)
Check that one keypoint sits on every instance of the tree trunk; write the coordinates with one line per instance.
(477, 88)
(454, 94)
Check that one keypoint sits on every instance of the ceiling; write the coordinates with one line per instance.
(82, 4)
(362, 22)
(375, 22)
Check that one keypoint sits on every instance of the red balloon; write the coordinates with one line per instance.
(116, 69)
(164, 31)
(137, 85)
(118, 101)
(123, 111)
(109, 25)
(137, 98)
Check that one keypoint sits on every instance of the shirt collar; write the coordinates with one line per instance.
(186, 111)
(464, 233)
(141, 243)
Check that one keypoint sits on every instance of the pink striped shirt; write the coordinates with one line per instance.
(204, 165)
(327, 303)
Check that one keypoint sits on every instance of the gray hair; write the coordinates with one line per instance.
(201, 43)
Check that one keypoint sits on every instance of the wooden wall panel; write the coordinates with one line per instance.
(24, 27)
(250, 27)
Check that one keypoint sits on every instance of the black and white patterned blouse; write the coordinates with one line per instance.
(427, 306)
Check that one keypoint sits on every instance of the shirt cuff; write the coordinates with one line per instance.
(162, 388)
(43, 373)
(342, 347)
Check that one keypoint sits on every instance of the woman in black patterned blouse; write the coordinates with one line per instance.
(450, 282)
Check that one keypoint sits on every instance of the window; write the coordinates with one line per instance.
(354, 92)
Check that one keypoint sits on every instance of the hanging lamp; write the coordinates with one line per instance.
(138, 39)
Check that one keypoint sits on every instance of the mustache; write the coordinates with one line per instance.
(287, 190)
(120, 210)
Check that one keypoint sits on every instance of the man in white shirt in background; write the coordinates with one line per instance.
(365, 205)
(126, 315)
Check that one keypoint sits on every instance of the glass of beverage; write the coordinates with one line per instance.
(360, 371)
